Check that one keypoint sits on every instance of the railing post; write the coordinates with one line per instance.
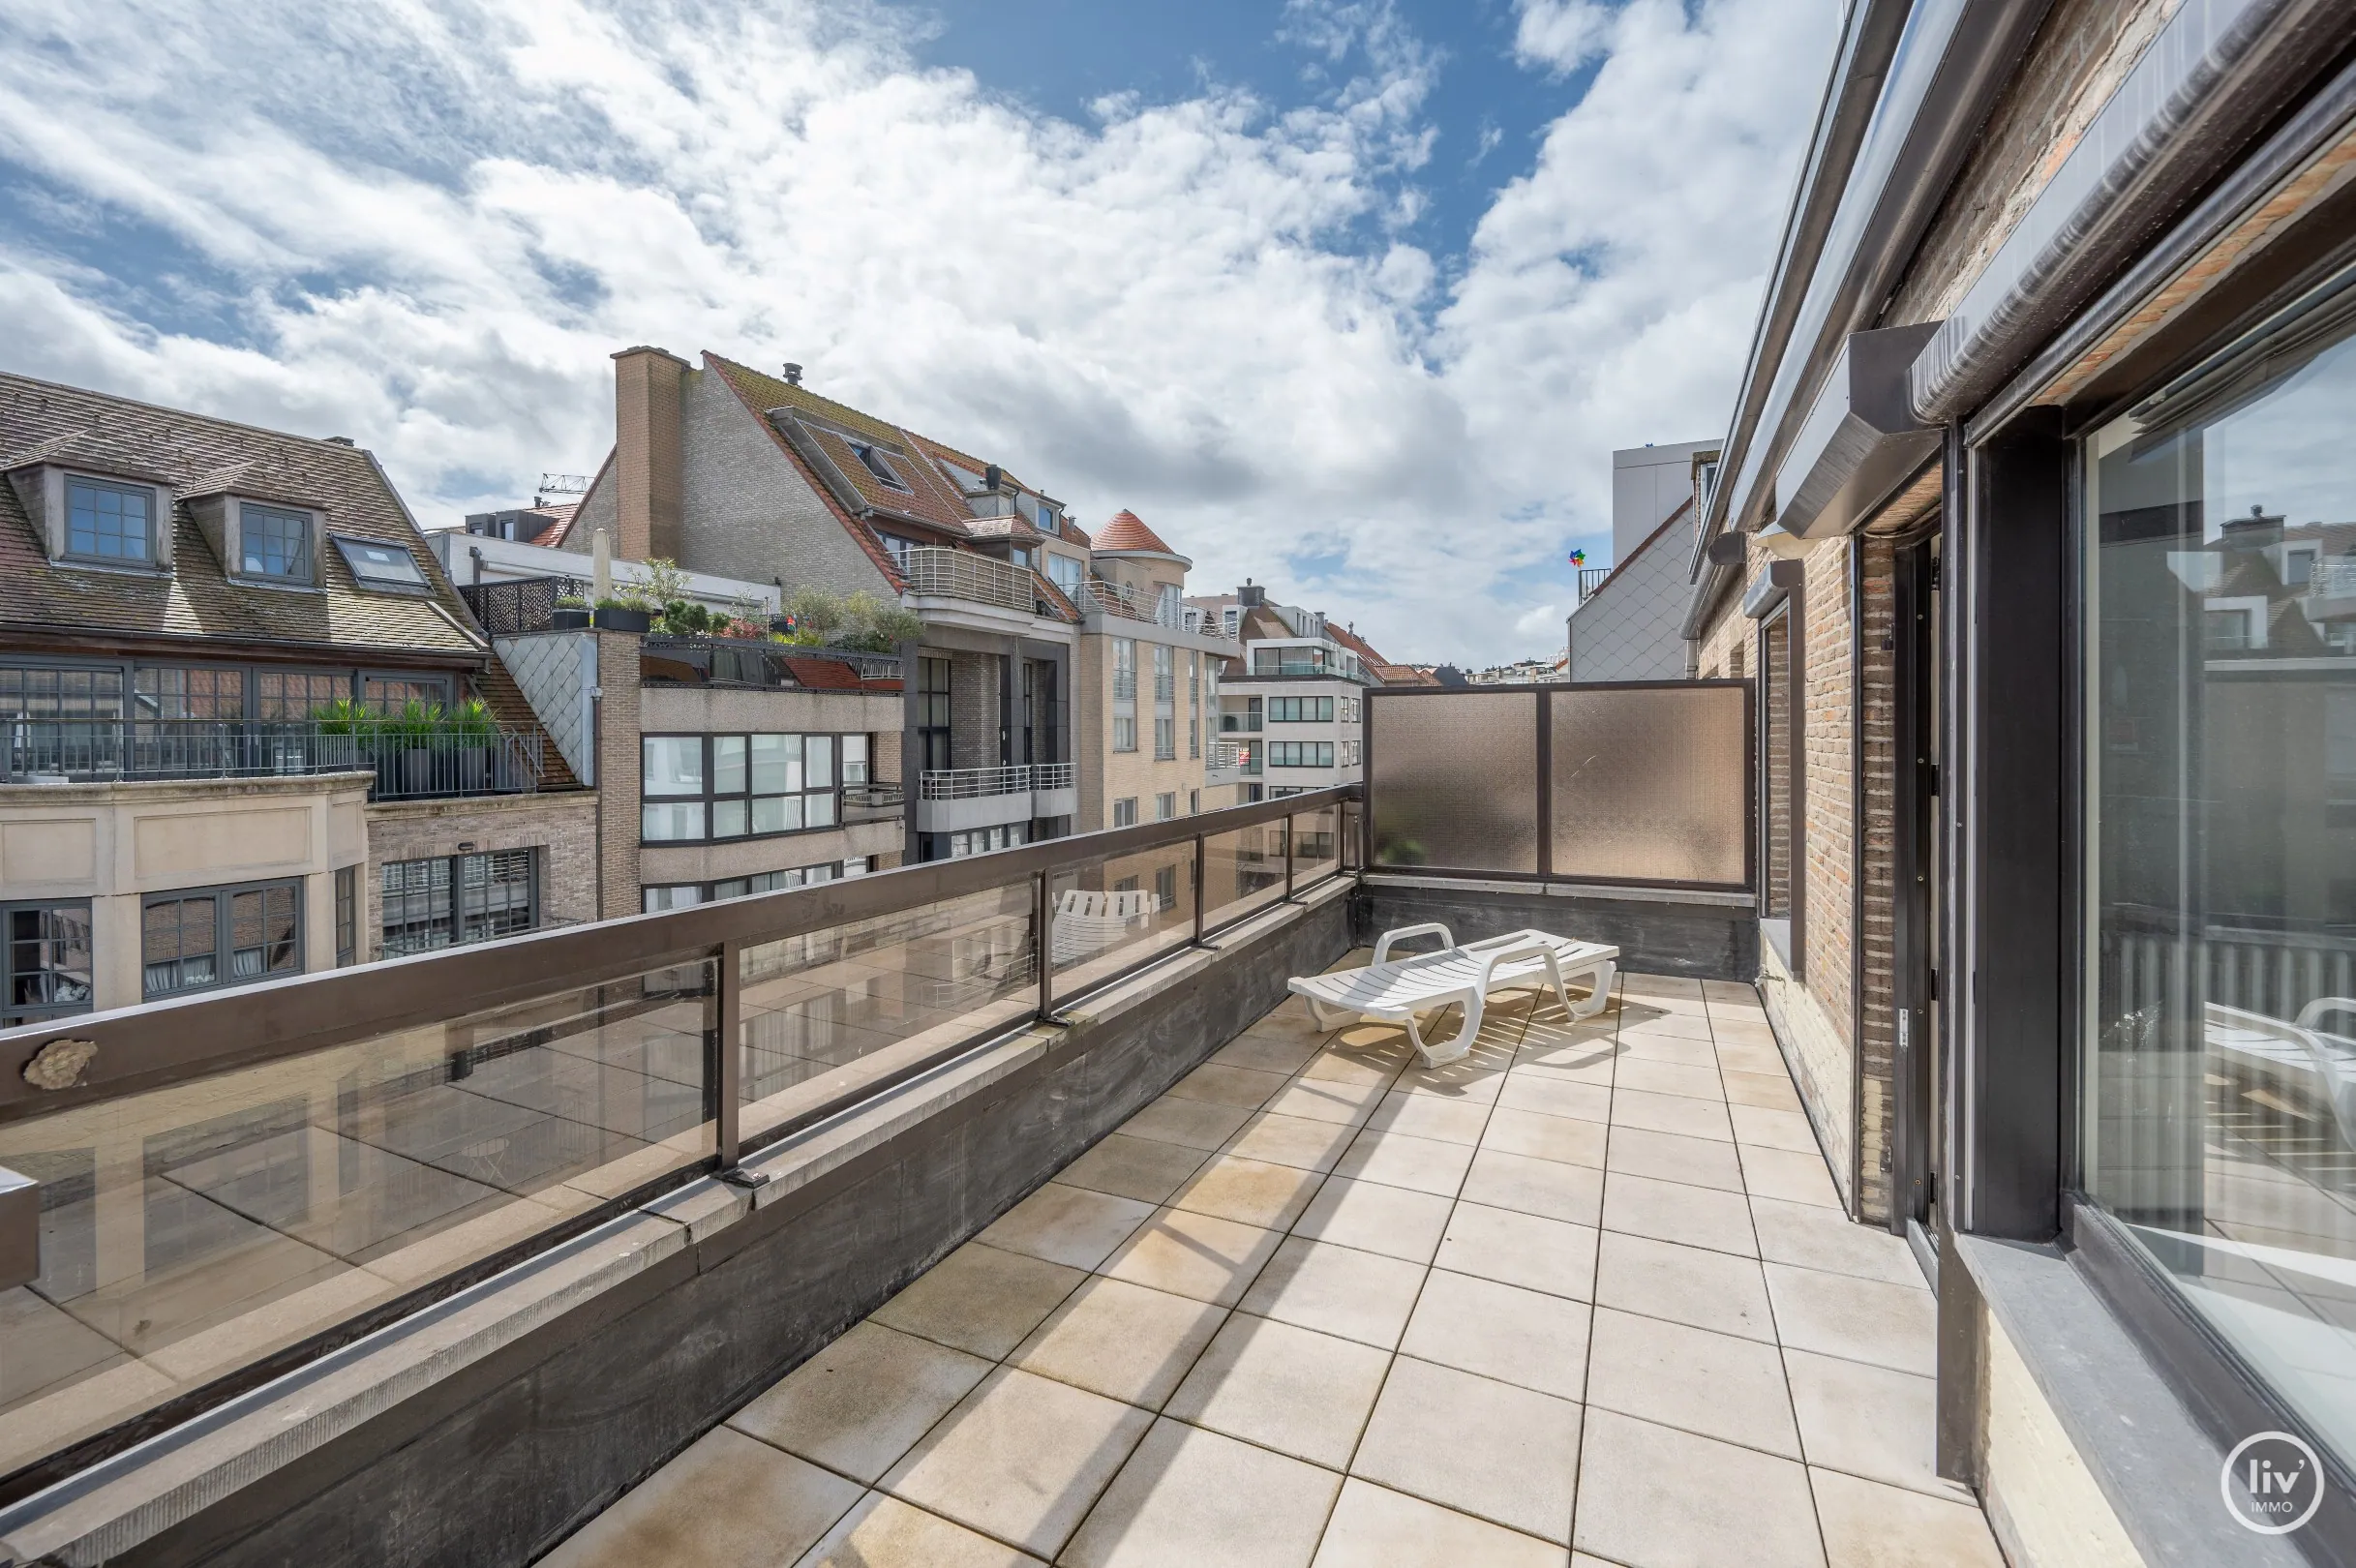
(727, 1123)
(1198, 899)
(1042, 916)
(1287, 857)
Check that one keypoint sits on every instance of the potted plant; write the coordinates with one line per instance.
(617, 613)
(411, 733)
(339, 738)
(571, 613)
(473, 738)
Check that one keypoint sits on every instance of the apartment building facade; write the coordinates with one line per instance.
(250, 729)
(730, 472)
(1291, 703)
(1148, 673)
(1629, 623)
(2032, 533)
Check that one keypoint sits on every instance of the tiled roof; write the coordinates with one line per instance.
(822, 674)
(43, 422)
(1354, 643)
(1011, 528)
(1076, 534)
(1125, 530)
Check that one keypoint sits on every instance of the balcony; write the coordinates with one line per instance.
(406, 767)
(872, 802)
(736, 662)
(995, 1204)
(1121, 602)
(1227, 762)
(965, 577)
(957, 800)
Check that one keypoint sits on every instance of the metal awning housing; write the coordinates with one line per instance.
(1861, 440)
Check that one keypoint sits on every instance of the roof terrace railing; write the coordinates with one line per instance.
(441, 763)
(733, 661)
(940, 572)
(1118, 599)
(271, 1172)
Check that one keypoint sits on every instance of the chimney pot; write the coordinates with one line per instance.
(793, 374)
(339, 440)
(992, 477)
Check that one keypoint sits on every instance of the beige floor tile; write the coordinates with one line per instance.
(1670, 1050)
(980, 1299)
(1572, 1140)
(1473, 1080)
(1195, 1122)
(1286, 1053)
(1773, 1128)
(1021, 1459)
(1188, 1497)
(1748, 1054)
(1683, 1284)
(863, 1401)
(1867, 1421)
(1194, 1255)
(1429, 1116)
(1476, 1445)
(1836, 1314)
(1289, 1020)
(1375, 1528)
(1249, 1191)
(1870, 1526)
(1121, 1340)
(1784, 1173)
(1815, 1237)
(1637, 986)
(1244, 1087)
(1375, 1219)
(1397, 1160)
(1582, 1058)
(1552, 1095)
(1729, 993)
(1526, 1338)
(1141, 1168)
(1067, 1224)
(1530, 1186)
(1656, 1497)
(1771, 1091)
(1338, 1290)
(1283, 1387)
(1669, 1025)
(1667, 1157)
(1521, 1249)
(1293, 1140)
(1361, 1056)
(1675, 1212)
(1678, 1114)
(1690, 1080)
(1327, 1099)
(728, 1501)
(885, 1533)
(1715, 1384)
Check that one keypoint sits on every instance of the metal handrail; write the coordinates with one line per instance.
(873, 796)
(940, 572)
(1129, 604)
(438, 764)
(1054, 776)
(977, 783)
(1125, 685)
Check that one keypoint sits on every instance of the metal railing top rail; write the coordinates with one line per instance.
(158, 1043)
(1054, 775)
(973, 783)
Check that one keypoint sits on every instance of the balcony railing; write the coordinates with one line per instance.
(977, 783)
(406, 767)
(1239, 723)
(938, 572)
(873, 796)
(728, 661)
(1125, 685)
(1129, 604)
(1591, 578)
(520, 605)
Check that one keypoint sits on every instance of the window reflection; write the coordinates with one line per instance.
(2221, 762)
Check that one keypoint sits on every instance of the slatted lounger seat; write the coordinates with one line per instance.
(1394, 992)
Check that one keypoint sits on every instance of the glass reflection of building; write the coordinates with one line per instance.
(2221, 1107)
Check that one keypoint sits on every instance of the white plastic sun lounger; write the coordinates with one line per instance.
(1394, 992)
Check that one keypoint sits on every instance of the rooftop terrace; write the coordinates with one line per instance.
(1588, 1289)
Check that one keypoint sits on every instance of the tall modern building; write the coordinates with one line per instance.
(1628, 624)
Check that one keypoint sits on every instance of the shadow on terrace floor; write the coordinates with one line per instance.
(1586, 1288)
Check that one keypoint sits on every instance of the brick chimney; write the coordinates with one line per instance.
(648, 383)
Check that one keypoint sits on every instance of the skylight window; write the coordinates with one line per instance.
(385, 568)
(878, 465)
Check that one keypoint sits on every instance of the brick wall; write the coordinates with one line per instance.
(1829, 836)
(972, 710)
(1877, 843)
(561, 825)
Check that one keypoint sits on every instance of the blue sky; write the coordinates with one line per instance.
(1351, 296)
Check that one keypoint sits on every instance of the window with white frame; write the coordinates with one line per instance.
(1125, 732)
(1124, 811)
(1166, 806)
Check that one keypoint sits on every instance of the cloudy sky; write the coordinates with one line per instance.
(1353, 296)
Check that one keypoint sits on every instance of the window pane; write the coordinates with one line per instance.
(728, 819)
(671, 765)
(818, 757)
(658, 823)
(776, 764)
(275, 543)
(855, 759)
(683, 897)
(776, 813)
(2221, 1036)
(821, 810)
(109, 522)
(728, 764)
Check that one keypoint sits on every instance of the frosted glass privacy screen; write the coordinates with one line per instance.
(1651, 783)
(1454, 779)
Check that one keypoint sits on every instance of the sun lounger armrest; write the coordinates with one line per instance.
(1382, 948)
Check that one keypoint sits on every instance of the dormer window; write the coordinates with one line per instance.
(383, 568)
(111, 523)
(876, 464)
(276, 543)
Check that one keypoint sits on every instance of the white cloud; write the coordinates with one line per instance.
(427, 227)
(1560, 35)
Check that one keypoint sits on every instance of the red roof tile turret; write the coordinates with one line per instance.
(1126, 532)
